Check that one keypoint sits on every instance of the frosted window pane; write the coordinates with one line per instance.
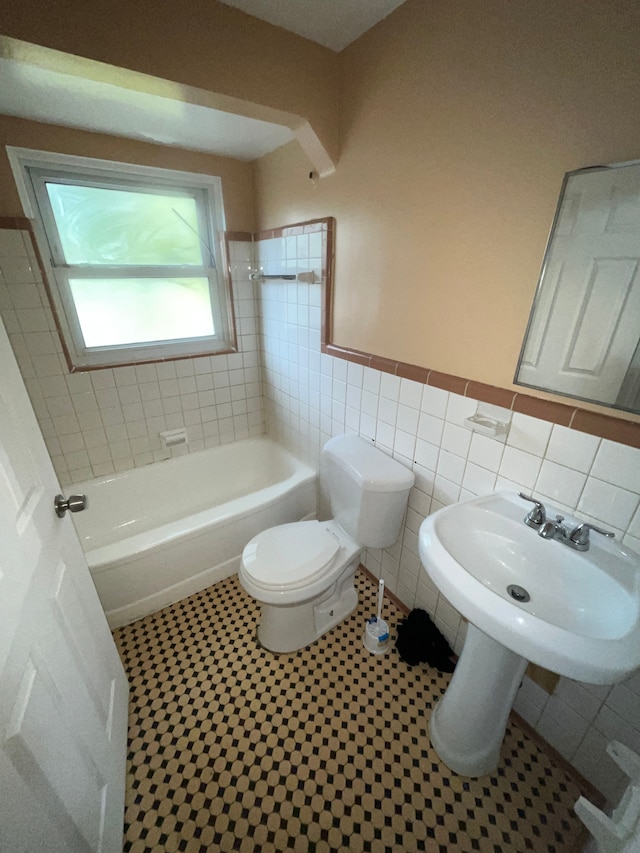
(105, 226)
(140, 310)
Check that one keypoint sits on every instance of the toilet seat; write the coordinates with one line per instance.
(291, 555)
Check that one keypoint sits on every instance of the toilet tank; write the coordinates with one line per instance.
(368, 490)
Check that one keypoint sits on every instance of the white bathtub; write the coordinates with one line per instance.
(156, 534)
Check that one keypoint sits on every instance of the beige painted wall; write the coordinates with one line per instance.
(458, 122)
(237, 178)
(199, 43)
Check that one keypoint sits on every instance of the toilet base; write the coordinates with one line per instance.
(287, 629)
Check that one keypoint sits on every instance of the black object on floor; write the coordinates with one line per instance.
(419, 641)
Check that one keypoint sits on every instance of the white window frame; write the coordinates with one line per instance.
(31, 169)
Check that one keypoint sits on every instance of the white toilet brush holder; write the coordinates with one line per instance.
(376, 636)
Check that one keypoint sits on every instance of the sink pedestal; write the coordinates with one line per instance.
(468, 724)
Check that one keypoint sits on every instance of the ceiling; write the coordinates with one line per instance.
(332, 23)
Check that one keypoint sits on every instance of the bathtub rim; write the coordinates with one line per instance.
(101, 559)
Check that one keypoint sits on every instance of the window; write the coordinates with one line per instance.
(134, 256)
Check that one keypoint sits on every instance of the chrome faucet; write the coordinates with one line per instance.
(576, 538)
(554, 529)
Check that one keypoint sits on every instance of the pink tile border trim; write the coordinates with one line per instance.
(595, 423)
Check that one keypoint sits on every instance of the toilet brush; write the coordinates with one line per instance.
(380, 599)
(376, 636)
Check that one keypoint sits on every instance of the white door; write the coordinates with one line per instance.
(585, 329)
(63, 691)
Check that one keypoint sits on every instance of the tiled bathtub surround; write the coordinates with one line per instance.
(311, 396)
(102, 421)
(290, 337)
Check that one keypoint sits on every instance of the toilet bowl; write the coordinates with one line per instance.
(302, 574)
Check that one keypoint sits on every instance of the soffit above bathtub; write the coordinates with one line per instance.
(332, 23)
(39, 93)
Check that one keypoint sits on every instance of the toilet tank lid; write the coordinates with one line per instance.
(372, 469)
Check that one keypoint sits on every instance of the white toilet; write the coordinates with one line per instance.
(302, 574)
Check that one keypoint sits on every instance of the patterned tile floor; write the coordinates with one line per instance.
(232, 747)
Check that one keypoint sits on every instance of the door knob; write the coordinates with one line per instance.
(74, 503)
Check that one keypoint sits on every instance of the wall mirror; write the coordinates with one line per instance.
(583, 337)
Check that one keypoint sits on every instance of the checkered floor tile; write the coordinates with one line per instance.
(232, 747)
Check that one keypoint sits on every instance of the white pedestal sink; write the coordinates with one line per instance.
(582, 618)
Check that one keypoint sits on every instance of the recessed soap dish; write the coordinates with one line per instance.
(486, 425)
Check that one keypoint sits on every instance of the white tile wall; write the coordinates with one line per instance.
(298, 378)
(310, 397)
(109, 420)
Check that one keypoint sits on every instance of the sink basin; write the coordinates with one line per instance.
(526, 599)
(583, 616)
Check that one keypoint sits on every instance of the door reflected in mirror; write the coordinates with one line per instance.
(583, 337)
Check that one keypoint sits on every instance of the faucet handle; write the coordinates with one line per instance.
(538, 514)
(580, 534)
